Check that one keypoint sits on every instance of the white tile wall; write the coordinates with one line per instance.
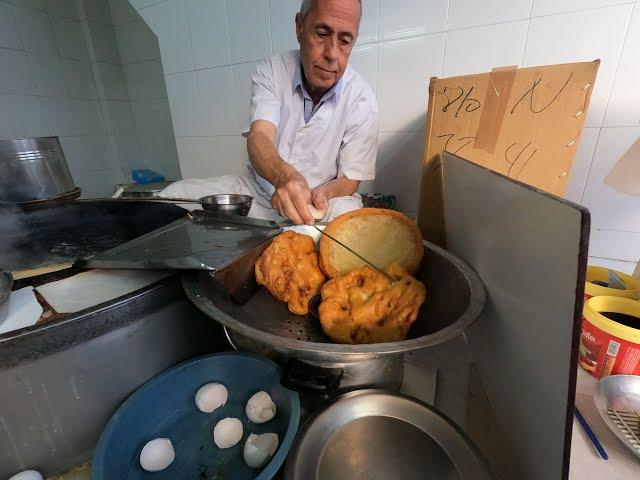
(364, 59)
(121, 116)
(550, 7)
(15, 73)
(249, 31)
(113, 81)
(69, 39)
(48, 75)
(20, 116)
(369, 22)
(411, 17)
(98, 11)
(218, 107)
(39, 4)
(624, 105)
(9, 33)
(35, 30)
(208, 156)
(209, 36)
(471, 13)
(152, 117)
(122, 11)
(610, 209)
(169, 21)
(479, 49)
(581, 36)
(145, 80)
(614, 244)
(619, 265)
(63, 8)
(186, 112)
(105, 46)
(282, 14)
(242, 83)
(397, 170)
(79, 79)
(136, 42)
(404, 69)
(581, 164)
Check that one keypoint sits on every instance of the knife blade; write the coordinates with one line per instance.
(371, 264)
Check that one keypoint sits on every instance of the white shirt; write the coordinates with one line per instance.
(340, 139)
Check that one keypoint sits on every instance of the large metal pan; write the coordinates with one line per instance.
(455, 299)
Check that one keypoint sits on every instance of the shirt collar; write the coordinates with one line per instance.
(333, 93)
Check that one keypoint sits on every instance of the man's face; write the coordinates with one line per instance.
(326, 38)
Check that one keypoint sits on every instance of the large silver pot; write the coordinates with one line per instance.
(33, 169)
(455, 299)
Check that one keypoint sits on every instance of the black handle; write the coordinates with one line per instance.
(312, 379)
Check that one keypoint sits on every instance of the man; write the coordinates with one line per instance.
(314, 124)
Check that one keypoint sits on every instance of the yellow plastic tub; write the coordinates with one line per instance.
(608, 346)
(600, 273)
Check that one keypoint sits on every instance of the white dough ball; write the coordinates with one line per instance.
(260, 448)
(27, 475)
(211, 396)
(315, 213)
(227, 432)
(157, 455)
(260, 408)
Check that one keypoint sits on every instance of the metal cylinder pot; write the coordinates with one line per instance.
(33, 169)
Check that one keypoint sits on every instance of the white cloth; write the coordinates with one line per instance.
(260, 207)
(340, 140)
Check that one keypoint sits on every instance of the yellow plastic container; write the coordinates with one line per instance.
(601, 273)
(607, 346)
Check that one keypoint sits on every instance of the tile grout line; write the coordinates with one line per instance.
(444, 46)
(618, 62)
(526, 37)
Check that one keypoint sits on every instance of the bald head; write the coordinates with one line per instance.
(326, 31)
(307, 5)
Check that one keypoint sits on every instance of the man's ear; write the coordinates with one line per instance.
(299, 27)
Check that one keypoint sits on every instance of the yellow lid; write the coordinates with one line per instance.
(602, 274)
(595, 305)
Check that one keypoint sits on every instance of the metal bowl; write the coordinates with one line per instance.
(228, 203)
(617, 399)
(374, 434)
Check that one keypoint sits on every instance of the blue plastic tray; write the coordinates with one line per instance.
(165, 407)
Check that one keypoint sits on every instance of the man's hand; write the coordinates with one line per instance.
(292, 196)
(320, 198)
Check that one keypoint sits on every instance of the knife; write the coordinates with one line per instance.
(371, 264)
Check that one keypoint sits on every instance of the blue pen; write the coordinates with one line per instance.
(591, 435)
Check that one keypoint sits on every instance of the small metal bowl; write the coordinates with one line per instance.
(228, 203)
(617, 399)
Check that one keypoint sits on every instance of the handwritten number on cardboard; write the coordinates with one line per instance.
(518, 158)
(469, 103)
(531, 92)
(464, 141)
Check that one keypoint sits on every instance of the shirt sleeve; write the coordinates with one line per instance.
(357, 156)
(264, 101)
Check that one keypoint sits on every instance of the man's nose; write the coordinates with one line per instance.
(331, 50)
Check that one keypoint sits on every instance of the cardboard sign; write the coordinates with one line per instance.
(523, 123)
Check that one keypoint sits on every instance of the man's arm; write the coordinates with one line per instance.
(292, 195)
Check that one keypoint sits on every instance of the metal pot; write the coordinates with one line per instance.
(33, 169)
(455, 299)
(374, 434)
